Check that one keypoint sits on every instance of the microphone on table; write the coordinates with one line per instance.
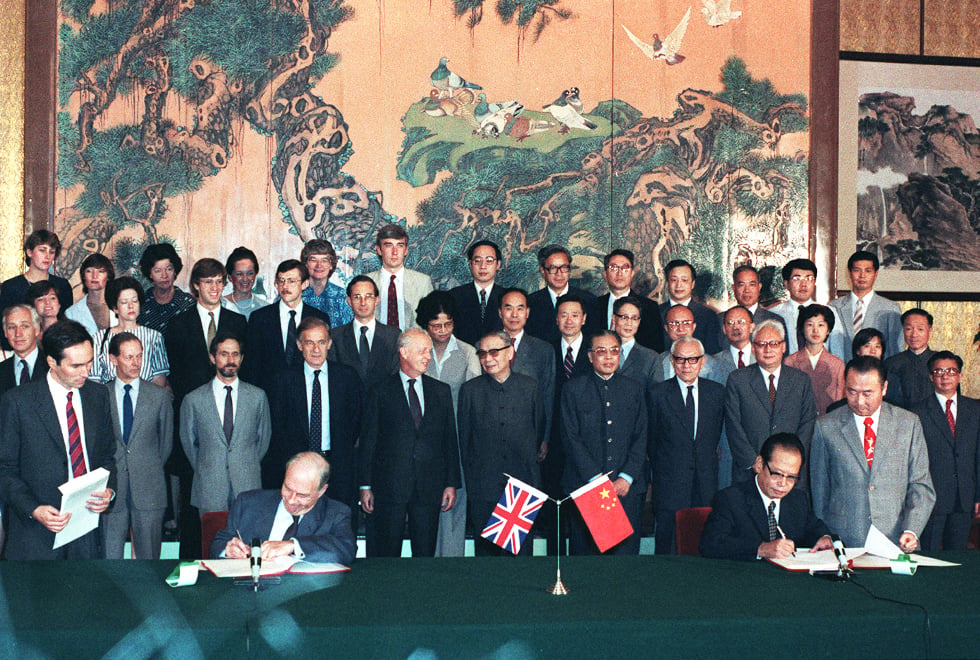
(843, 571)
(256, 559)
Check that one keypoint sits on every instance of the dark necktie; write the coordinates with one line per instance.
(689, 408)
(800, 337)
(392, 304)
(292, 530)
(741, 362)
(569, 363)
(483, 304)
(363, 350)
(228, 425)
(414, 405)
(773, 527)
(291, 349)
(212, 329)
(949, 416)
(316, 414)
(772, 389)
(127, 412)
(25, 373)
(75, 452)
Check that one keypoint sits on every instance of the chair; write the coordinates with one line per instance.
(690, 524)
(211, 523)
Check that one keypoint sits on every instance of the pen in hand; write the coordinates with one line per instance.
(783, 534)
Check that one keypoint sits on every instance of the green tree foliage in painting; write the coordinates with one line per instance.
(533, 15)
(233, 62)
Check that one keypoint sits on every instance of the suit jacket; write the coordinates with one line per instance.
(880, 313)
(458, 367)
(415, 287)
(582, 367)
(324, 533)
(738, 522)
(7, 381)
(265, 355)
(34, 460)
(501, 427)
(291, 426)
(541, 322)
(750, 418)
(827, 378)
(681, 457)
(708, 328)
(468, 326)
(187, 349)
(535, 358)
(649, 333)
(911, 373)
(139, 464)
(383, 361)
(895, 494)
(953, 462)
(600, 438)
(397, 459)
(640, 365)
(223, 470)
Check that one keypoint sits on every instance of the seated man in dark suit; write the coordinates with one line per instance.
(365, 344)
(477, 301)
(555, 266)
(681, 278)
(22, 327)
(296, 520)
(765, 517)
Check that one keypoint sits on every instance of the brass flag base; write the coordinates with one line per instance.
(558, 588)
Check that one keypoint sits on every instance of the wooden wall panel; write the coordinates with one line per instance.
(880, 26)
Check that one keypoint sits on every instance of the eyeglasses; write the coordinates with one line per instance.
(767, 344)
(803, 278)
(492, 352)
(363, 297)
(686, 360)
(288, 280)
(679, 324)
(437, 325)
(602, 350)
(628, 317)
(564, 268)
(618, 268)
(789, 478)
(736, 322)
(481, 261)
(949, 371)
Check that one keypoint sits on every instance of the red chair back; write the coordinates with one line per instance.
(690, 524)
(211, 523)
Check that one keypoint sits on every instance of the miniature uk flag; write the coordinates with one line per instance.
(514, 515)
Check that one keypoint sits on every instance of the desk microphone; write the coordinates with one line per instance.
(843, 572)
(256, 557)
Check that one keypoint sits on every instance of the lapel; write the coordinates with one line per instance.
(49, 417)
(213, 416)
(760, 386)
(676, 405)
(756, 508)
(938, 415)
(140, 411)
(854, 441)
(114, 412)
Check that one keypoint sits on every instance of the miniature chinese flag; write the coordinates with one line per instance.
(603, 512)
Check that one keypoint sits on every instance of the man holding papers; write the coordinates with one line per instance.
(297, 521)
(55, 430)
(765, 517)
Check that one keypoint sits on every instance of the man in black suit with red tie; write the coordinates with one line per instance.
(409, 462)
(22, 327)
(315, 407)
(271, 335)
(555, 266)
(477, 302)
(951, 425)
(55, 430)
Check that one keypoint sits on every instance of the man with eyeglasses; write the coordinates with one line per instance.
(951, 425)
(366, 344)
(680, 323)
(555, 266)
(501, 431)
(766, 398)
(800, 280)
(680, 279)
(869, 464)
(747, 287)
(766, 517)
(604, 431)
(272, 337)
(636, 361)
(400, 288)
(477, 301)
(910, 368)
(618, 274)
(737, 326)
(686, 418)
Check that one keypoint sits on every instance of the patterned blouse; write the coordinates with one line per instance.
(156, 316)
(333, 301)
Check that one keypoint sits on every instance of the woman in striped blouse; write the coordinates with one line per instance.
(124, 296)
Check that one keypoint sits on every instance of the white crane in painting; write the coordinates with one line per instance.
(667, 49)
(718, 12)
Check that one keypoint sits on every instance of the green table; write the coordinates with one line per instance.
(389, 608)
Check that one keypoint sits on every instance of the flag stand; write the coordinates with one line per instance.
(558, 588)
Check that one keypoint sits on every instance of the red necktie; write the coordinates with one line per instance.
(741, 362)
(569, 363)
(392, 303)
(949, 416)
(869, 441)
(75, 452)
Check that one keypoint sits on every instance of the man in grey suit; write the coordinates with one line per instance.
(862, 308)
(766, 398)
(635, 361)
(869, 464)
(401, 289)
(225, 430)
(737, 326)
(747, 287)
(143, 425)
(366, 344)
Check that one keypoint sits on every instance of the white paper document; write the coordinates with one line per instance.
(880, 545)
(74, 493)
(275, 566)
(821, 560)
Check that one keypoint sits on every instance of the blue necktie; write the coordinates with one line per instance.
(127, 413)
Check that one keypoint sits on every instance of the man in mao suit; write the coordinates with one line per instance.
(365, 344)
(751, 415)
(409, 460)
(683, 440)
(739, 525)
(225, 453)
(141, 451)
(22, 327)
(474, 318)
(555, 266)
(878, 475)
(953, 454)
(322, 531)
(877, 312)
(291, 407)
(34, 455)
(408, 286)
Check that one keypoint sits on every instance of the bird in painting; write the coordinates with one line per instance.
(446, 81)
(436, 106)
(666, 49)
(483, 109)
(718, 12)
(522, 126)
(567, 110)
